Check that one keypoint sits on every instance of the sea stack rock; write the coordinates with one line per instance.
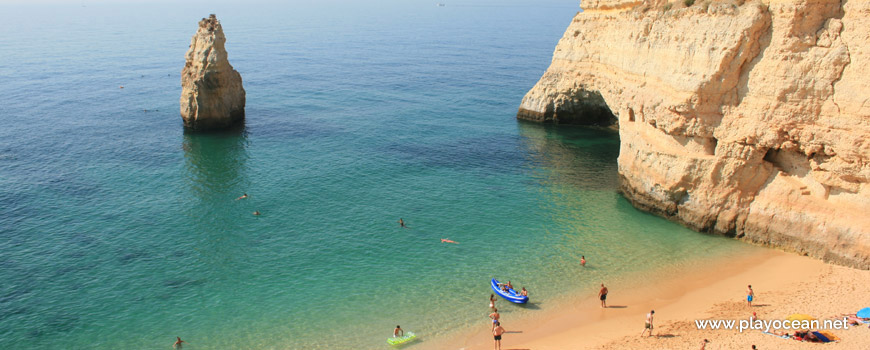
(212, 96)
(745, 118)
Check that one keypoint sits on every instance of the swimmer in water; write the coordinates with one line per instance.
(243, 196)
(178, 342)
(402, 223)
(257, 213)
(446, 240)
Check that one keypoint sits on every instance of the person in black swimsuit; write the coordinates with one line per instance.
(496, 335)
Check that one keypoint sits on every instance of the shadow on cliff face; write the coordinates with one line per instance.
(584, 157)
(214, 161)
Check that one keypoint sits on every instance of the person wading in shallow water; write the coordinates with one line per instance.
(402, 223)
(494, 316)
(602, 295)
(178, 342)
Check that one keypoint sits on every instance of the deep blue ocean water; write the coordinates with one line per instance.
(119, 230)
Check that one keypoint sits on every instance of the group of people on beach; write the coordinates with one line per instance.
(497, 329)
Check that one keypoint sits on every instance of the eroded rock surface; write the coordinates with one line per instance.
(749, 119)
(212, 96)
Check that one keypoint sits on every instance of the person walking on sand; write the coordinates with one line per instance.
(497, 331)
(582, 260)
(492, 301)
(494, 316)
(402, 223)
(648, 325)
(398, 332)
(750, 295)
(704, 344)
(602, 295)
(178, 342)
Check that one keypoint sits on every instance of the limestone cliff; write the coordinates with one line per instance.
(748, 119)
(212, 95)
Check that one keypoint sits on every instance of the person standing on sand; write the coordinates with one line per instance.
(648, 325)
(497, 331)
(602, 295)
(494, 316)
(178, 342)
(492, 301)
(749, 295)
(582, 260)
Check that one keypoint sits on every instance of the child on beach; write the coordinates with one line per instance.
(749, 295)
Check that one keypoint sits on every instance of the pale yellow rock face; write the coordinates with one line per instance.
(751, 120)
(212, 96)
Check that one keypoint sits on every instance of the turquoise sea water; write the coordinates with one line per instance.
(118, 230)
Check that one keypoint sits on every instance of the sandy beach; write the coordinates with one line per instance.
(784, 284)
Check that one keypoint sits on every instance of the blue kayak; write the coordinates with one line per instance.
(511, 294)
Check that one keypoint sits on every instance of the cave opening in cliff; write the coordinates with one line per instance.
(585, 107)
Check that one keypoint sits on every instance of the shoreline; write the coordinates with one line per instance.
(712, 289)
